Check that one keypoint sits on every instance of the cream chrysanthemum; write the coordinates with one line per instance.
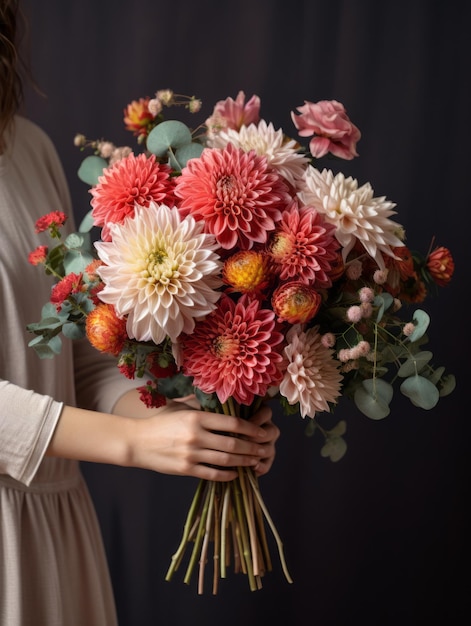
(160, 271)
(356, 214)
(312, 377)
(282, 154)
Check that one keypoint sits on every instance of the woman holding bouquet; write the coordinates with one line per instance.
(75, 407)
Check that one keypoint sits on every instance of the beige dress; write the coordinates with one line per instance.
(53, 570)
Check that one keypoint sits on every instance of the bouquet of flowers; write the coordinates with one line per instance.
(229, 266)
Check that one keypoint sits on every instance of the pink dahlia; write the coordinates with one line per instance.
(235, 193)
(304, 247)
(233, 351)
(231, 113)
(129, 182)
(312, 377)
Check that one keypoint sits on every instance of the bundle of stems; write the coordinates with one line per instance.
(231, 516)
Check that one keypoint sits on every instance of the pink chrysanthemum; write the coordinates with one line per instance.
(312, 377)
(235, 193)
(304, 247)
(129, 182)
(233, 351)
(282, 153)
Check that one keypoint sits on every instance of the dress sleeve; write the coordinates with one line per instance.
(27, 423)
(98, 382)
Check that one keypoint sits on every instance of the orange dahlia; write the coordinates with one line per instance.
(129, 182)
(105, 330)
(246, 271)
(235, 193)
(295, 302)
(233, 352)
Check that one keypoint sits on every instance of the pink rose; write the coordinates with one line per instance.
(333, 131)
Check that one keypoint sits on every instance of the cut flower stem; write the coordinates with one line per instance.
(232, 516)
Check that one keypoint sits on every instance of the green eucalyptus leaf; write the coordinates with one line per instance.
(182, 155)
(311, 428)
(422, 321)
(46, 348)
(50, 324)
(339, 429)
(79, 241)
(49, 310)
(414, 364)
(73, 331)
(373, 398)
(207, 401)
(420, 391)
(334, 448)
(91, 169)
(436, 375)
(87, 224)
(168, 134)
(383, 301)
(77, 260)
(177, 386)
(447, 385)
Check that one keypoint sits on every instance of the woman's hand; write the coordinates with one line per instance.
(263, 418)
(180, 439)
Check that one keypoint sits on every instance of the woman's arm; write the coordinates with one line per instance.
(175, 439)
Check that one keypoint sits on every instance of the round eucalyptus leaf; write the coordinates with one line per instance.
(182, 155)
(373, 398)
(76, 261)
(422, 321)
(420, 391)
(447, 385)
(168, 134)
(91, 168)
(334, 448)
(414, 364)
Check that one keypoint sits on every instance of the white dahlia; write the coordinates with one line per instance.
(356, 214)
(282, 153)
(312, 377)
(160, 271)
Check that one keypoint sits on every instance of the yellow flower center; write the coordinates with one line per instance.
(160, 267)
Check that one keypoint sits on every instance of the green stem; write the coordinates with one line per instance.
(206, 536)
(201, 532)
(279, 543)
(224, 528)
(176, 558)
(241, 520)
(250, 523)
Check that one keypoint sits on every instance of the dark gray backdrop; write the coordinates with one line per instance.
(380, 538)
